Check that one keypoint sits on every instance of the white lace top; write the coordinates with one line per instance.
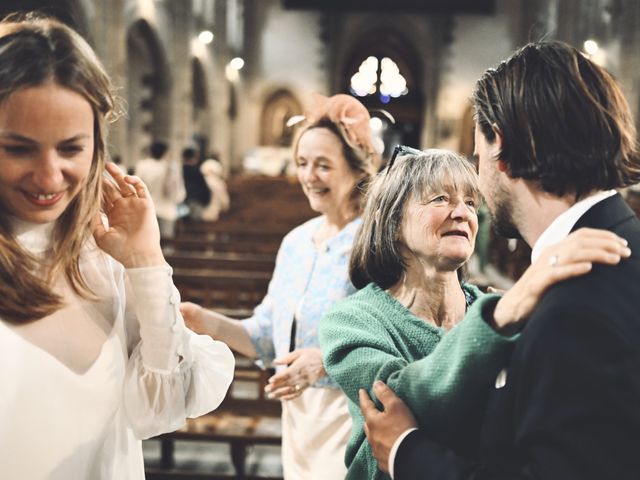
(79, 389)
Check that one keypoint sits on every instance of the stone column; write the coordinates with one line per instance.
(237, 91)
(109, 38)
(219, 87)
(181, 33)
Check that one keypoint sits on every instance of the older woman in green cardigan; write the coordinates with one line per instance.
(414, 324)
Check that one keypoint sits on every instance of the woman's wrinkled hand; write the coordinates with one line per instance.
(304, 367)
(132, 236)
(572, 257)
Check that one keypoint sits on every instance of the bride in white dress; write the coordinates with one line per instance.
(94, 354)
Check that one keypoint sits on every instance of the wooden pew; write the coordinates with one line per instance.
(199, 243)
(258, 199)
(214, 233)
(221, 288)
(234, 228)
(241, 422)
(226, 265)
(241, 262)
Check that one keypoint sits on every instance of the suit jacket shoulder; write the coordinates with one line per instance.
(569, 409)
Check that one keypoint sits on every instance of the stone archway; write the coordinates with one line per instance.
(279, 107)
(148, 89)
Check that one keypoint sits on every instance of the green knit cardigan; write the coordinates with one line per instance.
(444, 377)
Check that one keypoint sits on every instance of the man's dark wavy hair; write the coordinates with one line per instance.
(564, 121)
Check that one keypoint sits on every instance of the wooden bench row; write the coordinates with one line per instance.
(256, 199)
(240, 262)
(227, 266)
(196, 243)
(233, 228)
(239, 421)
(221, 288)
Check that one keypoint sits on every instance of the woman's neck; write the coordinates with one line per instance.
(333, 223)
(34, 237)
(434, 296)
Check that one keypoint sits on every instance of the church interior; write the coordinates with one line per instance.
(226, 78)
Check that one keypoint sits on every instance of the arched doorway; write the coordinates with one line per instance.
(382, 72)
(279, 107)
(148, 89)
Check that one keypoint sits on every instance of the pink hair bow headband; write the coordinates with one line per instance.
(346, 112)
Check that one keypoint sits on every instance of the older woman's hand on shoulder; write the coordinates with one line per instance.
(572, 257)
(305, 367)
(133, 236)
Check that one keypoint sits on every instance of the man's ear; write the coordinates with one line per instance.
(498, 133)
(497, 146)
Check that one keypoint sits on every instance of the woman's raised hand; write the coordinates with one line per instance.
(572, 257)
(133, 236)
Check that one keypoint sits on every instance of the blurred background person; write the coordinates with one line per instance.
(165, 185)
(198, 194)
(335, 157)
(213, 173)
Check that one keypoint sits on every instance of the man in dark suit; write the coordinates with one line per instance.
(554, 138)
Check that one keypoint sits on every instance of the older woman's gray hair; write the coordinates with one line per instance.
(376, 254)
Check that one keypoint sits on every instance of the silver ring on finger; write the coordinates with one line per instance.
(553, 260)
(297, 388)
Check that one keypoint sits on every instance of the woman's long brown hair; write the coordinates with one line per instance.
(34, 51)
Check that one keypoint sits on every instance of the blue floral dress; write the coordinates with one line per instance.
(306, 282)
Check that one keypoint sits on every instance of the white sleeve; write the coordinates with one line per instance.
(394, 449)
(172, 372)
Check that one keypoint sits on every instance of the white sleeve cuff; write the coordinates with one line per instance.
(394, 449)
(162, 328)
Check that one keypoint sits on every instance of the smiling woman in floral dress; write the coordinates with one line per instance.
(335, 156)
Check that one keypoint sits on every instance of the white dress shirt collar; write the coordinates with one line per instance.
(562, 225)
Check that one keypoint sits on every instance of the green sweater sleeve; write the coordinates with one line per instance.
(445, 389)
(448, 390)
(357, 351)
